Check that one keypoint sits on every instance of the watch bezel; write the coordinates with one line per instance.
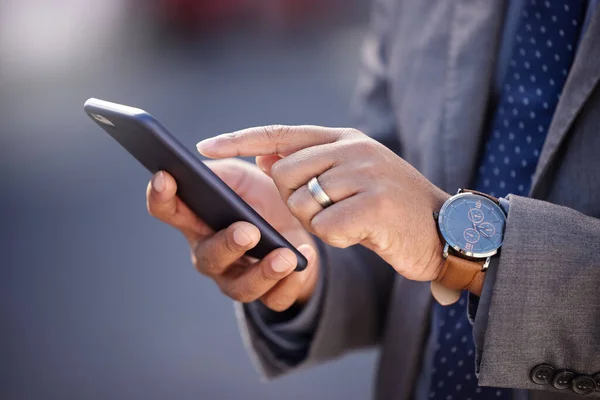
(456, 248)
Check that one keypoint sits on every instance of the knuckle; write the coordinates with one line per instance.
(365, 147)
(244, 297)
(337, 240)
(268, 275)
(325, 231)
(202, 263)
(294, 202)
(232, 135)
(235, 292)
(269, 130)
(383, 242)
(279, 302)
(346, 145)
(205, 259)
(278, 171)
(331, 233)
(318, 227)
(227, 291)
(273, 132)
(276, 134)
(368, 170)
(383, 201)
(277, 306)
(243, 289)
(280, 131)
(353, 132)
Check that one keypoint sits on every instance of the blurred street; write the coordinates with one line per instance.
(97, 299)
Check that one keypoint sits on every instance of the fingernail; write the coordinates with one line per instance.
(206, 144)
(241, 237)
(158, 182)
(281, 264)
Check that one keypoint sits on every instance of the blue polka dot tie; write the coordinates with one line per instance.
(542, 54)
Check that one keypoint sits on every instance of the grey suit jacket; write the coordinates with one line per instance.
(424, 90)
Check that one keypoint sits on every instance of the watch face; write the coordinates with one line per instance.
(472, 224)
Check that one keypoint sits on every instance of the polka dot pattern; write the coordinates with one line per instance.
(541, 58)
(453, 369)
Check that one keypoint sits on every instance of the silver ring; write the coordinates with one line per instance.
(318, 193)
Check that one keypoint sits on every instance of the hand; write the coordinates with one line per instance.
(380, 201)
(220, 255)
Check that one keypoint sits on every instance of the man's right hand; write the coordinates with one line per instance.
(220, 255)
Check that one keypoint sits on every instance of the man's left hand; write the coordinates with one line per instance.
(379, 200)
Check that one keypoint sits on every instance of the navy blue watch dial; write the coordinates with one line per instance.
(472, 224)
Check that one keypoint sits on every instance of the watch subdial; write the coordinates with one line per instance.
(475, 215)
(471, 235)
(486, 229)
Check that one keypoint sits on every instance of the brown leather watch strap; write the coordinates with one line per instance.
(457, 274)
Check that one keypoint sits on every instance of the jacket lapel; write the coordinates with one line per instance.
(471, 60)
(582, 79)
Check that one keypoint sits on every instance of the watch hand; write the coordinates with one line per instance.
(485, 233)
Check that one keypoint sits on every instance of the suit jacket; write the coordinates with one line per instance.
(424, 91)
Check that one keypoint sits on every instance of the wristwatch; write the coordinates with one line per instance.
(472, 225)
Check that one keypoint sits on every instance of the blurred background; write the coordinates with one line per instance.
(97, 299)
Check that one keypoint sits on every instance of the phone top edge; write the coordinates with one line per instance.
(120, 108)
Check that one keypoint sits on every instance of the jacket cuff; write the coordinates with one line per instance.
(478, 310)
(478, 307)
(541, 309)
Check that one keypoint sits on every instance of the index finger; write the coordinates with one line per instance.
(265, 140)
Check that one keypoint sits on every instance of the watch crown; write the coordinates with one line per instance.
(436, 215)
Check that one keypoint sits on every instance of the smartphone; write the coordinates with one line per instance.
(197, 186)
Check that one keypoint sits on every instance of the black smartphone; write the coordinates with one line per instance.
(197, 186)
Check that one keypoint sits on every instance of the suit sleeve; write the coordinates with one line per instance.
(545, 301)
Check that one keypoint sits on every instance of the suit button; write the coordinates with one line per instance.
(596, 378)
(583, 384)
(542, 374)
(562, 379)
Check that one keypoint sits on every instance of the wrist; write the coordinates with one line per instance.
(439, 260)
(465, 257)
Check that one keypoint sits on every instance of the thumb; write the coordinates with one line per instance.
(242, 177)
